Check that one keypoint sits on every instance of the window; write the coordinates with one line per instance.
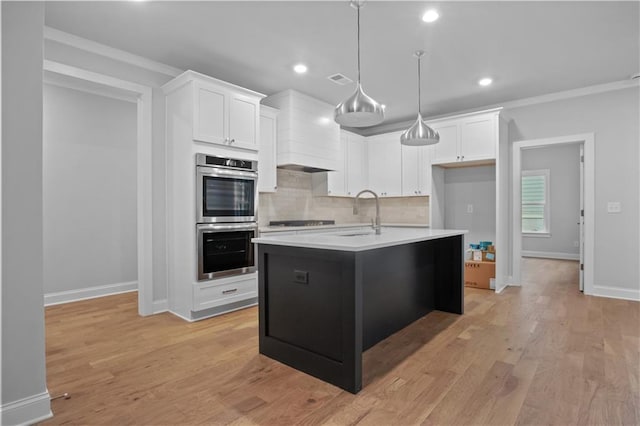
(535, 201)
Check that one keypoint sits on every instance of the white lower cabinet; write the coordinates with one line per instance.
(416, 170)
(385, 164)
(224, 291)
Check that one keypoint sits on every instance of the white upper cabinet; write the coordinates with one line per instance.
(416, 170)
(446, 151)
(470, 138)
(267, 177)
(355, 164)
(223, 114)
(385, 164)
(478, 138)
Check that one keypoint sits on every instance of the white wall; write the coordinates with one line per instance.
(77, 57)
(89, 191)
(24, 394)
(564, 194)
(613, 117)
(475, 186)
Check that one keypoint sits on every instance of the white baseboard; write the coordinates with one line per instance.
(160, 306)
(88, 293)
(26, 411)
(617, 293)
(551, 255)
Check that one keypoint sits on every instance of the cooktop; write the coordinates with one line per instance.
(313, 222)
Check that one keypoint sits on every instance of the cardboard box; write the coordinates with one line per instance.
(488, 256)
(479, 274)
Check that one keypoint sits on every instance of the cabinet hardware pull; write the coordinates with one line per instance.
(233, 290)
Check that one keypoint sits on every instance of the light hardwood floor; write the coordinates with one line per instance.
(540, 354)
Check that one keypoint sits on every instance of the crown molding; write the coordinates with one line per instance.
(519, 103)
(109, 52)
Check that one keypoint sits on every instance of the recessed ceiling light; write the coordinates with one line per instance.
(383, 106)
(430, 15)
(485, 81)
(300, 68)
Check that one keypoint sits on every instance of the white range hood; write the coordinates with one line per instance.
(308, 137)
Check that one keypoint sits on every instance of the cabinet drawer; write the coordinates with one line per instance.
(214, 294)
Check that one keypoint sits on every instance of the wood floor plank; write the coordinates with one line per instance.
(540, 354)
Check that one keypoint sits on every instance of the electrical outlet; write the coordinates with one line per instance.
(614, 207)
(576, 243)
(469, 208)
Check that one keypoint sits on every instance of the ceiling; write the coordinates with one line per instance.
(528, 48)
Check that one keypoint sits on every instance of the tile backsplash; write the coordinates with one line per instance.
(294, 200)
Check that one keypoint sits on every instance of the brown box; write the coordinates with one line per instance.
(478, 274)
(488, 256)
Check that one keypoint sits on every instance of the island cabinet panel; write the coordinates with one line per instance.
(320, 309)
(314, 327)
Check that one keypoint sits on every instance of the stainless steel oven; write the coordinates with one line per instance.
(225, 249)
(226, 189)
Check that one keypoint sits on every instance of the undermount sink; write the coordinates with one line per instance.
(358, 234)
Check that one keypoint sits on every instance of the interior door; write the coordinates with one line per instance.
(581, 219)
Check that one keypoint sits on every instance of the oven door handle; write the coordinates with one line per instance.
(218, 172)
(227, 227)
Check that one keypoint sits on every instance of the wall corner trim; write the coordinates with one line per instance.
(160, 306)
(27, 411)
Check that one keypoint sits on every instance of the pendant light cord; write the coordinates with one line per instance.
(358, 26)
(419, 93)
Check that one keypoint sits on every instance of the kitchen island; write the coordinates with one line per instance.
(326, 298)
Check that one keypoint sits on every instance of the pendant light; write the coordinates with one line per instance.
(419, 134)
(359, 110)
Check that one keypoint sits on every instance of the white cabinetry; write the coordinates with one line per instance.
(267, 176)
(223, 113)
(470, 138)
(350, 177)
(355, 164)
(416, 170)
(201, 113)
(385, 164)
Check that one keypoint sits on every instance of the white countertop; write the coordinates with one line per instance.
(357, 240)
(336, 226)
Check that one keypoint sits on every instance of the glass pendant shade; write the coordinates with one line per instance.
(419, 134)
(360, 109)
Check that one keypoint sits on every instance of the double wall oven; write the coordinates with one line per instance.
(226, 206)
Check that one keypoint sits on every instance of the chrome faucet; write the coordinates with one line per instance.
(376, 225)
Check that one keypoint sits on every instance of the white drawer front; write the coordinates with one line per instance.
(214, 294)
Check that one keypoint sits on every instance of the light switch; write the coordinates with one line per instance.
(614, 207)
(469, 208)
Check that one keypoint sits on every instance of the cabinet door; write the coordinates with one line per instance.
(446, 151)
(410, 170)
(210, 114)
(356, 164)
(478, 139)
(267, 154)
(243, 121)
(424, 170)
(385, 165)
(416, 170)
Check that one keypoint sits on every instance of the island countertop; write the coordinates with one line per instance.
(359, 240)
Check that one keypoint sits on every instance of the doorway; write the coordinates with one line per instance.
(537, 201)
(139, 97)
